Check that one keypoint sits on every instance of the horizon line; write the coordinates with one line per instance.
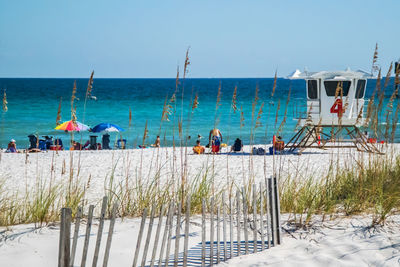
(171, 78)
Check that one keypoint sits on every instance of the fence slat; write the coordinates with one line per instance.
(61, 240)
(155, 245)
(65, 235)
(169, 236)
(212, 232)
(76, 233)
(165, 235)
(186, 242)
(277, 211)
(203, 232)
(273, 215)
(218, 235)
(99, 232)
(147, 243)
(110, 234)
(238, 222)
(139, 239)
(230, 228)
(254, 218)
(267, 213)
(246, 234)
(262, 218)
(224, 225)
(177, 234)
(87, 236)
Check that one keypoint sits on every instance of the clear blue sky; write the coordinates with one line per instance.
(126, 38)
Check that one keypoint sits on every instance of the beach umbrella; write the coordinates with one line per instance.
(107, 127)
(72, 126)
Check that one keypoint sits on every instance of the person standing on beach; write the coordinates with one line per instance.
(215, 139)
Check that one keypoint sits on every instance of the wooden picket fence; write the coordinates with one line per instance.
(242, 232)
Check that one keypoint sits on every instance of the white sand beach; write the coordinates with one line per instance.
(341, 242)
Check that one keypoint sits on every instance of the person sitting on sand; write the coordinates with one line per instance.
(157, 142)
(86, 145)
(198, 149)
(215, 139)
(279, 145)
(12, 147)
(77, 146)
(237, 146)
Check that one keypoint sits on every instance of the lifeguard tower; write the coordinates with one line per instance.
(334, 111)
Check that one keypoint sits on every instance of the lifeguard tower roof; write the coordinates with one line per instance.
(346, 74)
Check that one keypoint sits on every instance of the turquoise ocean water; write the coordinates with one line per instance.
(33, 104)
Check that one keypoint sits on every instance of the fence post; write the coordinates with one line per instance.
(153, 255)
(100, 232)
(177, 234)
(139, 240)
(87, 236)
(254, 218)
(186, 241)
(64, 243)
(203, 232)
(61, 240)
(147, 243)
(110, 233)
(76, 232)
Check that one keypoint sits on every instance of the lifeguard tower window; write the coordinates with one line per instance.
(312, 89)
(331, 86)
(360, 89)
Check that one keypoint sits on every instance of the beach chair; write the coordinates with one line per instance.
(105, 141)
(93, 142)
(42, 145)
(121, 143)
(48, 140)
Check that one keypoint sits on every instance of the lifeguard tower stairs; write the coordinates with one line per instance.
(334, 112)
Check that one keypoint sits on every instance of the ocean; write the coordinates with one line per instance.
(33, 105)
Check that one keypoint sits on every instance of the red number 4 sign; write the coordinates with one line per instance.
(338, 107)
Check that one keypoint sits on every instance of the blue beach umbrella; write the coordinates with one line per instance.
(107, 127)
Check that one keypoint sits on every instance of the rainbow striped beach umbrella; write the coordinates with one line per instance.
(72, 126)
